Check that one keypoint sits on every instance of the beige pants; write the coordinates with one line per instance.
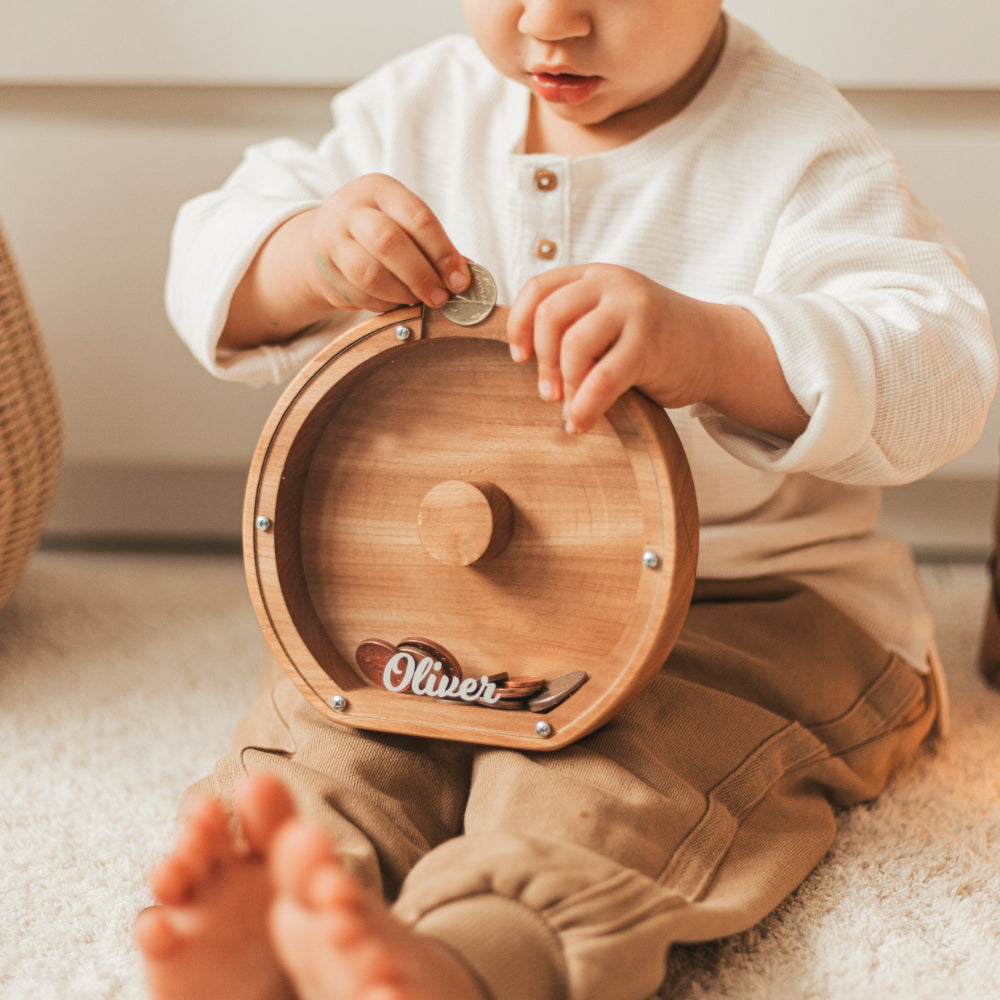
(688, 817)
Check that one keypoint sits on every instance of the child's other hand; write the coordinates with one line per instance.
(376, 245)
(597, 330)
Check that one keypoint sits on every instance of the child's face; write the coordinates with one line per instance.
(607, 66)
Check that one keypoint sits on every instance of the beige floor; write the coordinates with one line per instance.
(121, 677)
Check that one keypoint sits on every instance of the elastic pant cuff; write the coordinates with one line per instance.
(510, 949)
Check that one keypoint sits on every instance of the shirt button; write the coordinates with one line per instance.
(546, 250)
(546, 180)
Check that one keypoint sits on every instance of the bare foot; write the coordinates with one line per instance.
(207, 939)
(338, 942)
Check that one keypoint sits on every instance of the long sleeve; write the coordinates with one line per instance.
(217, 235)
(882, 337)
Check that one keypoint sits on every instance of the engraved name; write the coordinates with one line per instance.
(403, 673)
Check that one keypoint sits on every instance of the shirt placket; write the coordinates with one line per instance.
(543, 233)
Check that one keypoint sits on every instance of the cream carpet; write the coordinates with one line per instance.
(122, 676)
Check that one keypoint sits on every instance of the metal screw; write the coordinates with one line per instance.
(543, 729)
(650, 559)
(338, 703)
(403, 333)
(263, 522)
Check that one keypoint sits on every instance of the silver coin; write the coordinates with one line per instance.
(476, 302)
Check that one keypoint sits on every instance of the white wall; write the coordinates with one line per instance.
(885, 43)
(239, 42)
(112, 114)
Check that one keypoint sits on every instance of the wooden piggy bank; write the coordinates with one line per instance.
(428, 552)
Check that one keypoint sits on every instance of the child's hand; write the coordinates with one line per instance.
(375, 245)
(372, 245)
(597, 330)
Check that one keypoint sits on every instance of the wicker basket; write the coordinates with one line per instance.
(31, 438)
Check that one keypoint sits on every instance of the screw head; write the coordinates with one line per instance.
(403, 332)
(263, 522)
(543, 729)
(650, 559)
(338, 703)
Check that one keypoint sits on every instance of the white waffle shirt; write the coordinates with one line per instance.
(768, 191)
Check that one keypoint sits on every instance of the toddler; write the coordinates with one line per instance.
(667, 204)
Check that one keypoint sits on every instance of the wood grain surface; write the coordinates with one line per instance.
(538, 570)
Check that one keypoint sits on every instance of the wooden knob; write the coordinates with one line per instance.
(465, 523)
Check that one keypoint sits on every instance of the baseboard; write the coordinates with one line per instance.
(942, 519)
(125, 506)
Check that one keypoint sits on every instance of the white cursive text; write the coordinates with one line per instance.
(403, 673)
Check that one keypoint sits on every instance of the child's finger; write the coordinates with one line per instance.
(584, 344)
(521, 321)
(600, 389)
(393, 266)
(556, 319)
(358, 281)
(436, 267)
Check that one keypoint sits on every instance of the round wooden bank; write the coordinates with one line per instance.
(428, 551)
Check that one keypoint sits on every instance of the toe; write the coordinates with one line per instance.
(154, 934)
(203, 843)
(304, 866)
(329, 885)
(263, 805)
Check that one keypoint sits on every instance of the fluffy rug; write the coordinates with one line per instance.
(122, 676)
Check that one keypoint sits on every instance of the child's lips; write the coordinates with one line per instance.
(563, 88)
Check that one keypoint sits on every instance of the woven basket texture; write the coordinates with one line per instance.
(31, 429)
